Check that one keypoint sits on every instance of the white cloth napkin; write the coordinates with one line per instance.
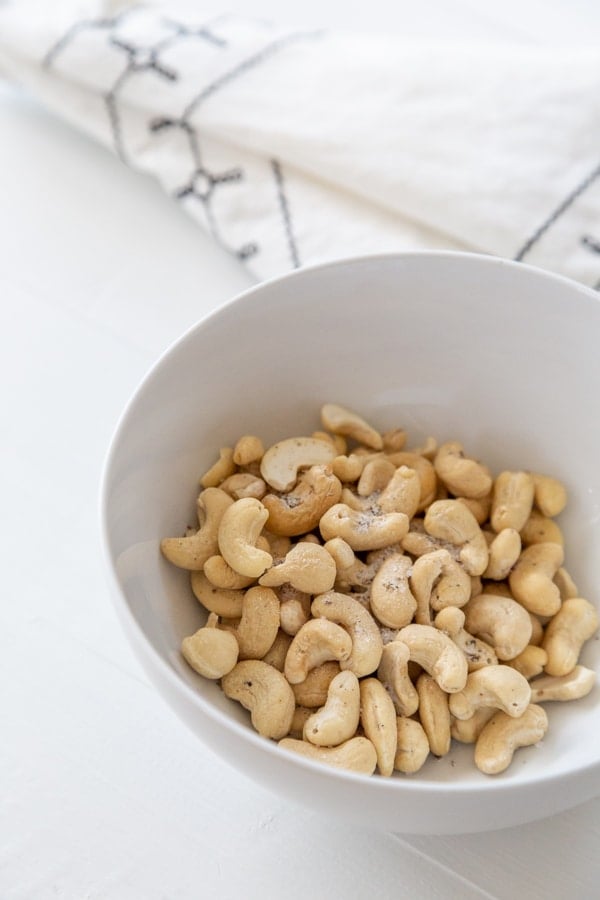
(293, 147)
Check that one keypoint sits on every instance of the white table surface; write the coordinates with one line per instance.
(104, 793)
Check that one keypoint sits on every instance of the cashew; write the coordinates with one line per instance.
(367, 645)
(574, 623)
(394, 440)
(378, 719)
(312, 692)
(402, 493)
(193, 551)
(375, 476)
(223, 576)
(452, 521)
(239, 531)
(362, 530)
(565, 584)
(338, 719)
(512, 500)
(391, 600)
(317, 641)
(499, 621)
(531, 579)
(350, 570)
(339, 443)
(301, 714)
(438, 581)
(210, 652)
(537, 631)
(348, 468)
(300, 510)
(265, 693)
(418, 543)
(504, 551)
(393, 674)
(279, 545)
(468, 730)
(437, 654)
(434, 714)
(412, 746)
(480, 508)
(294, 609)
(343, 421)
(502, 735)
(248, 449)
(463, 476)
(424, 469)
(500, 687)
(281, 462)
(226, 603)
(244, 484)
(259, 623)
(530, 661)
(538, 529)
(307, 567)
(358, 754)
(578, 683)
(277, 652)
(550, 495)
(478, 654)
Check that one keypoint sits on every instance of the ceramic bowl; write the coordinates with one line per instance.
(498, 355)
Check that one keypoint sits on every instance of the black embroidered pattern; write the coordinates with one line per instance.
(285, 212)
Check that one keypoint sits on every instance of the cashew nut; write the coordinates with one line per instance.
(259, 623)
(393, 675)
(375, 476)
(277, 652)
(550, 495)
(480, 508)
(478, 654)
(394, 440)
(468, 730)
(294, 609)
(301, 714)
(531, 580)
(312, 692)
(343, 421)
(412, 746)
(434, 714)
(244, 484)
(402, 493)
(499, 621)
(362, 530)
(500, 687)
(239, 531)
(463, 476)
(391, 599)
(538, 529)
(317, 641)
(452, 521)
(263, 691)
(438, 581)
(227, 603)
(502, 735)
(281, 462)
(566, 633)
(248, 449)
(350, 570)
(578, 683)
(193, 551)
(565, 584)
(358, 754)
(348, 468)
(424, 469)
(437, 654)
(504, 551)
(300, 510)
(530, 661)
(307, 567)
(512, 500)
(223, 576)
(210, 651)
(378, 719)
(367, 644)
(338, 719)
(537, 631)
(339, 443)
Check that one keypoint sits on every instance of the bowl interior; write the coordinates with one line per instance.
(497, 355)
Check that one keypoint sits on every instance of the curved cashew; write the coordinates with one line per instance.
(312, 692)
(452, 521)
(358, 754)
(339, 443)
(502, 735)
(499, 621)
(391, 599)
(424, 469)
(375, 476)
(367, 644)
(438, 581)
(277, 652)
(566, 633)
(538, 529)
(480, 508)
(239, 531)
(307, 567)
(210, 651)
(412, 746)
(343, 421)
(248, 449)
(565, 584)
(578, 683)
(244, 484)
(468, 730)
(393, 675)
(531, 580)
(281, 462)
(223, 576)
(463, 476)
(350, 570)
(219, 471)
(500, 687)
(227, 603)
(378, 719)
(478, 654)
(362, 530)
(434, 714)
(512, 500)
(259, 623)
(402, 492)
(348, 468)
(338, 719)
(418, 543)
(504, 551)
(437, 654)
(530, 661)
(317, 641)
(294, 609)
(550, 495)
(394, 440)
(265, 693)
(300, 510)
(193, 551)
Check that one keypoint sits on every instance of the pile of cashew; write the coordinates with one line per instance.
(370, 604)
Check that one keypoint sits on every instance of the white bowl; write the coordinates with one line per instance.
(498, 355)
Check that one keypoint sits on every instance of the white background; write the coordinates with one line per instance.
(104, 793)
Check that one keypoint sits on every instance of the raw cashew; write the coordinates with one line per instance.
(424, 469)
(578, 683)
(362, 530)
(358, 754)
(504, 551)
(317, 641)
(244, 484)
(277, 652)
(193, 551)
(478, 654)
(281, 462)
(530, 661)
(248, 449)
(350, 570)
(259, 623)
(394, 440)
(307, 567)
(480, 508)
(512, 500)
(265, 692)
(338, 719)
(499, 621)
(550, 495)
(391, 599)
(294, 609)
(393, 675)
(566, 633)
(565, 584)
(348, 468)
(502, 735)
(438, 581)
(531, 580)
(378, 719)
(437, 654)
(452, 521)
(223, 576)
(434, 714)
(402, 493)
(537, 631)
(412, 747)
(375, 476)
(312, 692)
(227, 603)
(343, 421)
(210, 651)
(239, 531)
(468, 730)
(301, 714)
(463, 476)
(222, 469)
(539, 529)
(367, 644)
(300, 510)
(338, 442)
(500, 687)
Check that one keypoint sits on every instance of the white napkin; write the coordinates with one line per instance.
(293, 147)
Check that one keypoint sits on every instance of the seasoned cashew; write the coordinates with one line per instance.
(223, 576)
(566, 633)
(391, 599)
(312, 692)
(281, 462)
(394, 440)
(192, 552)
(550, 495)
(244, 484)
(307, 567)
(434, 714)
(463, 476)
(424, 469)
(502, 735)
(248, 449)
(338, 719)
(530, 661)
(452, 521)
(402, 492)
(348, 468)
(578, 683)
(500, 687)
(393, 675)
(219, 471)
(565, 584)
(367, 645)
(277, 652)
(259, 623)
(412, 746)
(300, 510)
(350, 570)
(468, 730)
(438, 581)
(362, 530)
(358, 754)
(531, 580)
(512, 500)
(437, 654)
(378, 719)
(499, 621)
(538, 529)
(263, 691)
(239, 531)
(375, 476)
(478, 654)
(343, 421)
(317, 641)
(504, 550)
(210, 651)
(294, 609)
(226, 603)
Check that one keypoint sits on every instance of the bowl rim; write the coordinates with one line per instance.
(150, 657)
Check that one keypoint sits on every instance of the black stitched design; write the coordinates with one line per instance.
(285, 213)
